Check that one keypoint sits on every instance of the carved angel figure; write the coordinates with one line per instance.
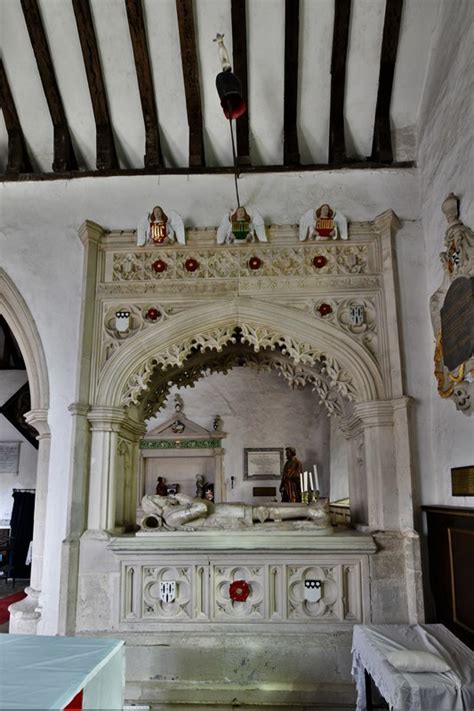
(323, 223)
(241, 226)
(159, 228)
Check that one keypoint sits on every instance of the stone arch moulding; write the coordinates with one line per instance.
(20, 320)
(128, 371)
(25, 615)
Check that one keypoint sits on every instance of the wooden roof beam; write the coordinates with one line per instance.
(337, 141)
(291, 153)
(64, 157)
(382, 140)
(136, 24)
(18, 159)
(239, 47)
(106, 155)
(187, 39)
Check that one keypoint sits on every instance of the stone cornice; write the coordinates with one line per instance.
(387, 222)
(90, 232)
(257, 540)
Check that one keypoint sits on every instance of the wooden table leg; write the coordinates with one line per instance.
(368, 691)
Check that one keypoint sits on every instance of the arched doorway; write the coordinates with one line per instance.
(24, 615)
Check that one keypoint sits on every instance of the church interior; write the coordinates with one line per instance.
(237, 354)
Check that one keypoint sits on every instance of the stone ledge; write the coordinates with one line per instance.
(256, 541)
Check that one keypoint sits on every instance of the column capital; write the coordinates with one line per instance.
(375, 413)
(115, 419)
(79, 408)
(39, 420)
(350, 426)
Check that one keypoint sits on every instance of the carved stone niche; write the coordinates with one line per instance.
(452, 313)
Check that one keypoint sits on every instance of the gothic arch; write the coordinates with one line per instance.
(20, 320)
(135, 361)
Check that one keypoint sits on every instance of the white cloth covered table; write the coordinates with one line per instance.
(422, 691)
(39, 672)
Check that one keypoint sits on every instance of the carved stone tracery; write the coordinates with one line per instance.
(330, 380)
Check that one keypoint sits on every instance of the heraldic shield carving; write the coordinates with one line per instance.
(168, 590)
(452, 313)
(312, 590)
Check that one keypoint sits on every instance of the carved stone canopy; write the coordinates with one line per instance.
(238, 354)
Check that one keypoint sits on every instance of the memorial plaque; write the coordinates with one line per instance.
(462, 481)
(457, 323)
(264, 491)
(9, 457)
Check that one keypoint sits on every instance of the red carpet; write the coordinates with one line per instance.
(5, 602)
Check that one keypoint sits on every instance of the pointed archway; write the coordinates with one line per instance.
(24, 616)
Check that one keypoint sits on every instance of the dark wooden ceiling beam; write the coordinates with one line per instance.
(18, 159)
(337, 141)
(192, 90)
(106, 155)
(382, 140)
(291, 153)
(64, 157)
(239, 51)
(153, 156)
(206, 170)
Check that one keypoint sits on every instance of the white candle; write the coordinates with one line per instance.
(311, 485)
(316, 478)
(301, 481)
(305, 481)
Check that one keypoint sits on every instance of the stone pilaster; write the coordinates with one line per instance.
(25, 615)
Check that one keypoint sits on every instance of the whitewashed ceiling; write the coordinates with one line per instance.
(265, 43)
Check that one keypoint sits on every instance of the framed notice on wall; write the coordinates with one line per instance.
(9, 457)
(263, 463)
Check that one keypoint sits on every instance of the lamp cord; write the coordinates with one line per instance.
(235, 163)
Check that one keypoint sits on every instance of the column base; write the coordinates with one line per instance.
(25, 614)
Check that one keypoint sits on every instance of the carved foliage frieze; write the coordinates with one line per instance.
(239, 262)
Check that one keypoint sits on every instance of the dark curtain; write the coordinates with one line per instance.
(21, 525)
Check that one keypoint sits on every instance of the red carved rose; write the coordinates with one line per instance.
(152, 314)
(320, 261)
(191, 265)
(255, 262)
(159, 266)
(239, 590)
(324, 309)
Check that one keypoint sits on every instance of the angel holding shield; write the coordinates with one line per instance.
(323, 223)
(159, 228)
(241, 226)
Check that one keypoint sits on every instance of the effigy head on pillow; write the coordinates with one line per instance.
(323, 223)
(159, 228)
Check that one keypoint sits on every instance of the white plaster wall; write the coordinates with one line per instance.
(42, 254)
(10, 382)
(258, 409)
(446, 160)
(338, 463)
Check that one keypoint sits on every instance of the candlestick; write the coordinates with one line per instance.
(311, 485)
(316, 477)
(305, 480)
(301, 482)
